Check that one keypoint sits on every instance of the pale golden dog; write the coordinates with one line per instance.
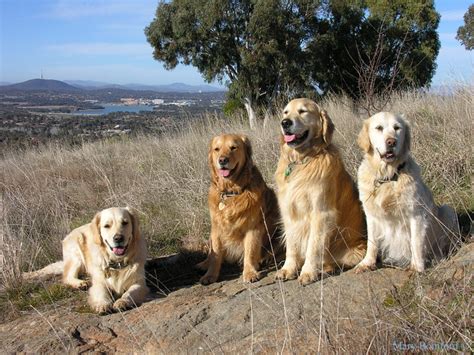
(111, 250)
(403, 222)
(243, 209)
(321, 212)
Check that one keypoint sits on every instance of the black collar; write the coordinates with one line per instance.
(379, 182)
(226, 194)
(114, 266)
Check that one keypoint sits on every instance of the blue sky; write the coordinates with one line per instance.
(104, 41)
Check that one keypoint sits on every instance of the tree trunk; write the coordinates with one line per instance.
(250, 112)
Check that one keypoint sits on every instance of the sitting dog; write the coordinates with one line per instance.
(321, 212)
(243, 209)
(111, 250)
(403, 222)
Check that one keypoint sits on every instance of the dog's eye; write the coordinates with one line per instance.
(379, 128)
(107, 226)
(216, 149)
(285, 112)
(124, 223)
(396, 128)
(233, 147)
(302, 110)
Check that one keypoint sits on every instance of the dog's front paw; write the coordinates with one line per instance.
(80, 285)
(307, 278)
(83, 285)
(122, 304)
(250, 276)
(285, 274)
(416, 268)
(103, 308)
(362, 267)
(203, 265)
(208, 279)
(77, 284)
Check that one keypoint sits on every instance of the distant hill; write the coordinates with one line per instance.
(79, 85)
(93, 85)
(42, 85)
(175, 87)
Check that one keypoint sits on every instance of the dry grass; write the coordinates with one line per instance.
(50, 190)
(47, 191)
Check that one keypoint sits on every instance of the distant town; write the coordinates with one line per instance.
(40, 110)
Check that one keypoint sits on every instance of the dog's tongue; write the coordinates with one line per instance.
(289, 138)
(118, 250)
(224, 172)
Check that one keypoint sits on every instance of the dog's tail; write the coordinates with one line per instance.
(46, 272)
(448, 227)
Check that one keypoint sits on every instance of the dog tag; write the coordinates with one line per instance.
(221, 206)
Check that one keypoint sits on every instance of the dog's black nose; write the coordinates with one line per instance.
(223, 160)
(286, 123)
(391, 142)
(118, 238)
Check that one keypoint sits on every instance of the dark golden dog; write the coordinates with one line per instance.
(243, 209)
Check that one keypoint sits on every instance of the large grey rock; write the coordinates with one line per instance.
(347, 312)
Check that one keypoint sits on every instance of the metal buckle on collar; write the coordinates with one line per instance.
(379, 182)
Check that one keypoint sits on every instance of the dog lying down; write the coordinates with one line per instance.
(112, 252)
(403, 222)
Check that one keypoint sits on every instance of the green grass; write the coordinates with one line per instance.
(27, 296)
(431, 307)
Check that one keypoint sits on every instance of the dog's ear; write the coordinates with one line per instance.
(135, 225)
(247, 147)
(95, 226)
(209, 155)
(328, 127)
(364, 140)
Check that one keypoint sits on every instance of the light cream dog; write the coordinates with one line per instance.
(404, 225)
(321, 212)
(111, 250)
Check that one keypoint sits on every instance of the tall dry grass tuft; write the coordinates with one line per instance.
(47, 191)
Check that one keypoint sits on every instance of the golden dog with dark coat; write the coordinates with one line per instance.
(244, 211)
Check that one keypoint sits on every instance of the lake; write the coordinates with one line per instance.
(109, 108)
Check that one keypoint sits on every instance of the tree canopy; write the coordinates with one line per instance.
(265, 48)
(466, 32)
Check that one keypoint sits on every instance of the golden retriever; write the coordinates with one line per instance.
(322, 216)
(403, 222)
(111, 250)
(243, 210)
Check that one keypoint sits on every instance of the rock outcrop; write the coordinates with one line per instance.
(345, 312)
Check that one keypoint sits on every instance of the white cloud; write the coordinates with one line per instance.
(102, 48)
(68, 9)
(453, 15)
(150, 73)
(124, 27)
